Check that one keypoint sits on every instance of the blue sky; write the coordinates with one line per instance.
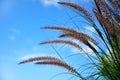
(20, 35)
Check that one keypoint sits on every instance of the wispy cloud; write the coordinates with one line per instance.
(49, 2)
(12, 37)
(87, 0)
(89, 30)
(29, 40)
(7, 73)
(85, 50)
(35, 55)
(15, 30)
(6, 6)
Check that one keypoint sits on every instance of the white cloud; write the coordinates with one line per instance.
(90, 28)
(6, 6)
(35, 55)
(28, 56)
(15, 30)
(29, 41)
(74, 50)
(49, 2)
(12, 37)
(87, 0)
(7, 73)
(85, 48)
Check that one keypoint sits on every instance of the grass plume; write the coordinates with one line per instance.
(49, 60)
(38, 58)
(57, 63)
(78, 8)
(63, 42)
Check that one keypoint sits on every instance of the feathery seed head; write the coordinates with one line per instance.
(38, 59)
(59, 64)
(79, 36)
(60, 28)
(63, 42)
(105, 22)
(103, 8)
(78, 8)
(49, 60)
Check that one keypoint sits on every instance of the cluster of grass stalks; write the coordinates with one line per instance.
(107, 13)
